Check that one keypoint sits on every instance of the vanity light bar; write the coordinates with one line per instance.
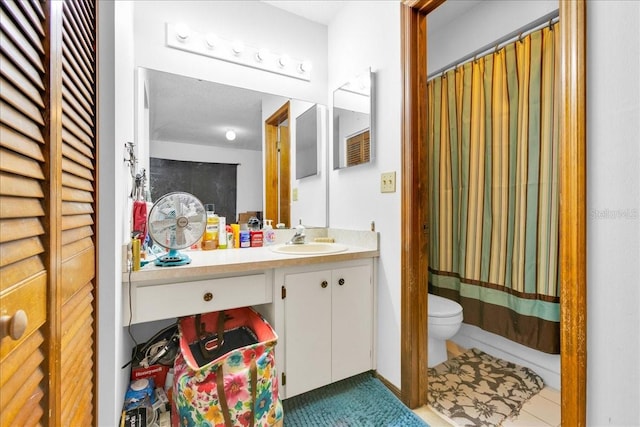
(179, 36)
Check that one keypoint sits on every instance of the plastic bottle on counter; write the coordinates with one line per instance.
(269, 236)
(210, 239)
(222, 233)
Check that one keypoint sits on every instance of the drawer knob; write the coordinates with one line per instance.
(324, 284)
(208, 296)
(14, 326)
(341, 282)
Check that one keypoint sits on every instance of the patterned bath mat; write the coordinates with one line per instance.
(476, 389)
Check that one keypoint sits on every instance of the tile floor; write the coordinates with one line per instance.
(542, 410)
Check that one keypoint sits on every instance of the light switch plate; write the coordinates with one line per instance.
(388, 182)
(294, 196)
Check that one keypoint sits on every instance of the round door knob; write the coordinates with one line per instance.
(207, 297)
(14, 326)
(324, 284)
(341, 282)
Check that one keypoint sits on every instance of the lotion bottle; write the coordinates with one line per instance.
(269, 234)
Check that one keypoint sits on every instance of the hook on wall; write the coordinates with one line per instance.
(130, 158)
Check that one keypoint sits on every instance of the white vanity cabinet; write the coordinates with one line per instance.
(327, 313)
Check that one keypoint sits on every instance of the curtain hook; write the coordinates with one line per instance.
(520, 37)
(551, 24)
(497, 48)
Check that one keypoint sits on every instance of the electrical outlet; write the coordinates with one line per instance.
(388, 182)
(294, 196)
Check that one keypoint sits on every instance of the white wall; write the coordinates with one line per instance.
(451, 36)
(249, 174)
(115, 120)
(613, 208)
(361, 37)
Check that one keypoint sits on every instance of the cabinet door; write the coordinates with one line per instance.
(307, 310)
(352, 321)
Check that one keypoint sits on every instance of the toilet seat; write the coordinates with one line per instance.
(440, 307)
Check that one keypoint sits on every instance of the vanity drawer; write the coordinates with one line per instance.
(156, 302)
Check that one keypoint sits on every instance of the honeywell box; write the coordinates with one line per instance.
(157, 372)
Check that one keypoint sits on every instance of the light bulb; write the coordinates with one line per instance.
(283, 61)
(182, 31)
(212, 40)
(305, 67)
(262, 54)
(230, 135)
(237, 47)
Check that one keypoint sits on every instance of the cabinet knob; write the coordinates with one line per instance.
(324, 284)
(14, 326)
(341, 282)
(207, 296)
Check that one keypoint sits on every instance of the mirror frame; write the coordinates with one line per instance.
(335, 160)
(414, 257)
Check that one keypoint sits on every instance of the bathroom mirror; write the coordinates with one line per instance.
(353, 136)
(192, 120)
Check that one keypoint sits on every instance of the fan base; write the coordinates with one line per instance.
(173, 259)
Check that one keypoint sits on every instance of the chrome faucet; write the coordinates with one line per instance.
(298, 238)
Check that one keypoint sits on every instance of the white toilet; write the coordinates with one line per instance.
(445, 318)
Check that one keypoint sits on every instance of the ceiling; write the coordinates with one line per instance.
(188, 110)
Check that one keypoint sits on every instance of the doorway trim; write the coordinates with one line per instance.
(277, 176)
(414, 256)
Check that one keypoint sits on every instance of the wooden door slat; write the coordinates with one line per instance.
(12, 118)
(20, 144)
(22, 21)
(73, 195)
(70, 65)
(72, 91)
(79, 271)
(69, 109)
(13, 363)
(32, 15)
(81, 18)
(71, 75)
(71, 153)
(20, 102)
(18, 45)
(19, 186)
(18, 250)
(18, 272)
(75, 221)
(17, 207)
(76, 208)
(75, 32)
(73, 181)
(30, 364)
(76, 169)
(72, 127)
(74, 248)
(20, 165)
(30, 388)
(19, 228)
(18, 79)
(76, 234)
(76, 102)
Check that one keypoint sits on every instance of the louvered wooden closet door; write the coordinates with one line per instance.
(47, 222)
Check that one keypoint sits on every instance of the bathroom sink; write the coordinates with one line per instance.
(311, 248)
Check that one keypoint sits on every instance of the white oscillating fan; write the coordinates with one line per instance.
(176, 221)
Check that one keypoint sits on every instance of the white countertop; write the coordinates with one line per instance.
(244, 260)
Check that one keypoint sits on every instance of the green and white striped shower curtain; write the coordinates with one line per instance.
(493, 135)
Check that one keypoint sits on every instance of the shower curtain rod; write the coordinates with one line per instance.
(549, 18)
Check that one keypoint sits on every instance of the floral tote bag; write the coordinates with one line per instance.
(225, 372)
